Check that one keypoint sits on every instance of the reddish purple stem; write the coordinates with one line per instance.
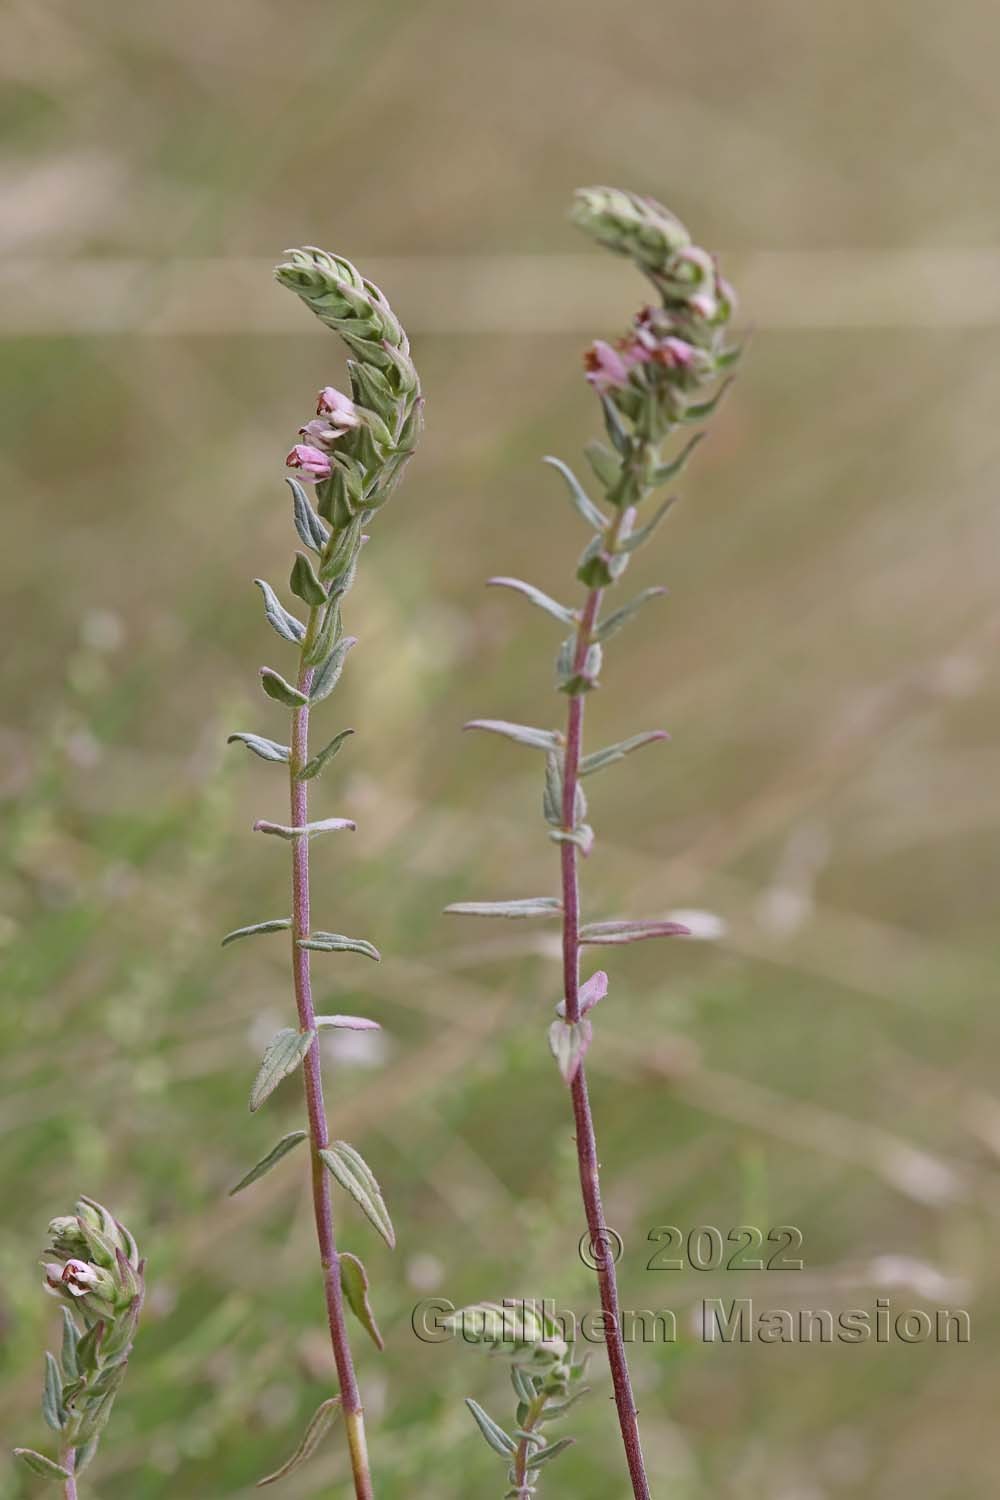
(586, 1140)
(318, 1131)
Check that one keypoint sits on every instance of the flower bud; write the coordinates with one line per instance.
(630, 225)
(311, 462)
(67, 1237)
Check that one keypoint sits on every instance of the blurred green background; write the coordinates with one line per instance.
(823, 664)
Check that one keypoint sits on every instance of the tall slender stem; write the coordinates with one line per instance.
(68, 1461)
(312, 1073)
(522, 1487)
(586, 1139)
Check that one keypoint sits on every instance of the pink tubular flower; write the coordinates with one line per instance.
(340, 409)
(311, 462)
(605, 367)
(319, 432)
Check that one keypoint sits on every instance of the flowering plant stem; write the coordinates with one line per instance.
(648, 385)
(319, 1134)
(586, 1137)
(358, 446)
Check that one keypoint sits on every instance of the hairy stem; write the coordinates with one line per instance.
(312, 1072)
(586, 1139)
(68, 1461)
(536, 1411)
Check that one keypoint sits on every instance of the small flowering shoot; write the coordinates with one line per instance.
(545, 1378)
(665, 373)
(353, 451)
(93, 1267)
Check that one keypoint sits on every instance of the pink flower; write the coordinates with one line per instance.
(319, 432)
(675, 353)
(605, 367)
(311, 462)
(340, 409)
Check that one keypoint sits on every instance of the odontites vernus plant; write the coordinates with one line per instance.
(663, 374)
(353, 451)
(93, 1267)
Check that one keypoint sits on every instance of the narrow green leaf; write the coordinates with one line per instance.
(42, 1466)
(281, 691)
(52, 1403)
(284, 1053)
(568, 1042)
(536, 596)
(345, 549)
(355, 1176)
(304, 584)
(308, 830)
(88, 1348)
(544, 1455)
(276, 924)
(327, 636)
(287, 626)
(552, 796)
(84, 1456)
(70, 1339)
(354, 1282)
(524, 1385)
(604, 463)
(614, 934)
(614, 622)
(335, 942)
(521, 734)
(323, 757)
(529, 906)
(501, 1442)
(560, 1408)
(266, 749)
(606, 757)
(314, 1434)
(312, 531)
(328, 676)
(346, 1023)
(286, 1144)
(582, 502)
(668, 471)
(630, 543)
(615, 427)
(701, 410)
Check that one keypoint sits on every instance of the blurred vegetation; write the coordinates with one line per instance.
(822, 663)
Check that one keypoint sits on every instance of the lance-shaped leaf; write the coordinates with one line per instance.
(568, 1041)
(701, 410)
(346, 1023)
(593, 990)
(553, 792)
(607, 757)
(630, 543)
(356, 1177)
(326, 637)
(614, 622)
(354, 1282)
(70, 1339)
(523, 1383)
(568, 679)
(43, 1467)
(615, 427)
(323, 757)
(542, 600)
(287, 626)
(281, 691)
(314, 1434)
(336, 942)
(284, 1053)
(527, 906)
(275, 924)
(266, 749)
(304, 584)
(307, 830)
(314, 532)
(582, 502)
(668, 471)
(613, 934)
(286, 1144)
(328, 676)
(501, 1442)
(544, 1455)
(52, 1403)
(521, 734)
(605, 464)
